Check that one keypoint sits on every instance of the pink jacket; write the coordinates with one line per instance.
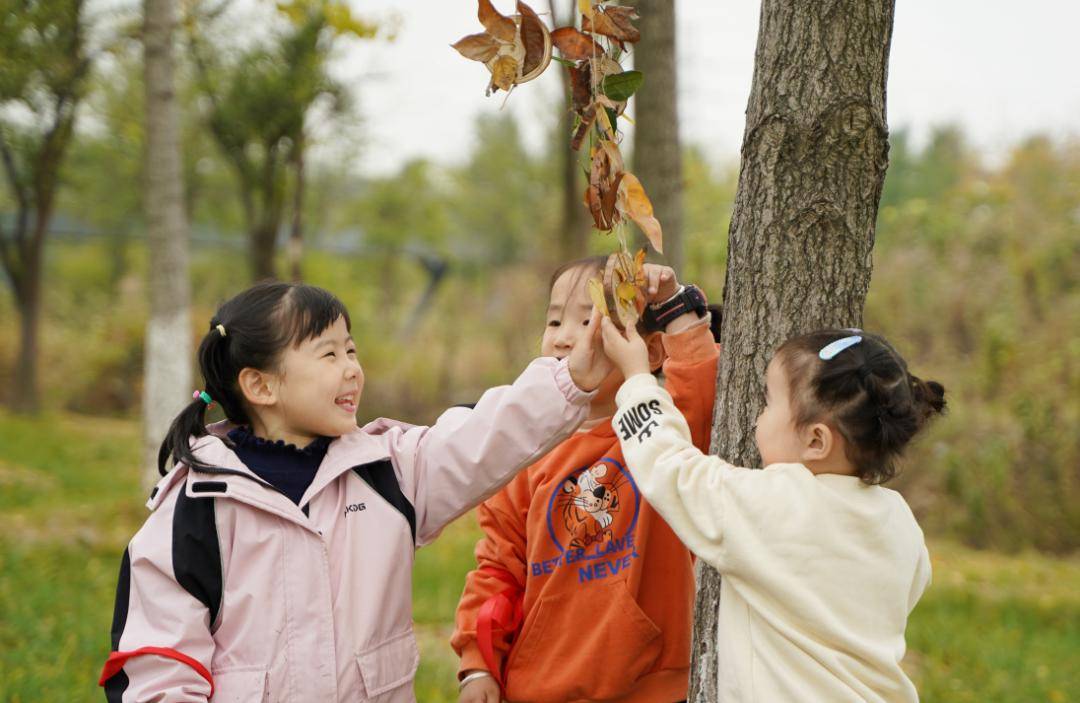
(231, 592)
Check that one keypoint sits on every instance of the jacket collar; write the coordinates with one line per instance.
(228, 477)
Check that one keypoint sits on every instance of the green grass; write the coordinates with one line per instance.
(992, 628)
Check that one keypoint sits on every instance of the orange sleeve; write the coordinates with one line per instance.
(503, 547)
(690, 378)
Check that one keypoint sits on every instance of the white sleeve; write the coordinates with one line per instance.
(689, 489)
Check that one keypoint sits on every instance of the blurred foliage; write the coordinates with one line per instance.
(977, 280)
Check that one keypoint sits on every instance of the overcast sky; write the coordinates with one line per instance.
(1001, 69)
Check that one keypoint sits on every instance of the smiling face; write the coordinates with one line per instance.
(318, 387)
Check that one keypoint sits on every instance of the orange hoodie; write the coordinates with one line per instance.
(608, 589)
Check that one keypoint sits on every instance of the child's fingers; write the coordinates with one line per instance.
(610, 333)
(595, 327)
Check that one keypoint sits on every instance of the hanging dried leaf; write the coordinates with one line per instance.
(613, 22)
(478, 47)
(497, 25)
(596, 293)
(504, 72)
(635, 204)
(574, 45)
(624, 290)
(580, 86)
(533, 36)
(584, 124)
(639, 267)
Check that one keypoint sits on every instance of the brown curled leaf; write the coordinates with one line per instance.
(478, 47)
(573, 45)
(496, 24)
(532, 36)
(613, 22)
(580, 86)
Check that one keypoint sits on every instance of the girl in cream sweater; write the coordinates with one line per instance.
(821, 564)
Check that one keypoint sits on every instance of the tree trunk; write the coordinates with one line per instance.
(167, 374)
(657, 150)
(28, 301)
(574, 229)
(262, 243)
(296, 235)
(573, 226)
(814, 156)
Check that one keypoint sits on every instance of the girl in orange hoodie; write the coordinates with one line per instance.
(582, 591)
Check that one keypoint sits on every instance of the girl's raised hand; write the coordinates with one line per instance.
(660, 283)
(628, 353)
(587, 363)
(482, 690)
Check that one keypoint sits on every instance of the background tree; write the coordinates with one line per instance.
(259, 101)
(814, 156)
(573, 225)
(43, 74)
(167, 371)
(657, 148)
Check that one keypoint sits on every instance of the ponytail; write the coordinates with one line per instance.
(191, 422)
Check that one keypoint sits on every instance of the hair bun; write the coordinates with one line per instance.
(929, 396)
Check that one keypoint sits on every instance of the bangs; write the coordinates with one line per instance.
(308, 311)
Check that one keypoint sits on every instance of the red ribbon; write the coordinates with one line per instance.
(504, 610)
(116, 662)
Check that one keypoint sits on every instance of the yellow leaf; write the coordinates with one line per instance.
(636, 204)
(596, 292)
(639, 267)
(504, 72)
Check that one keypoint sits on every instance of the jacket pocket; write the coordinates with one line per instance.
(243, 685)
(591, 643)
(389, 665)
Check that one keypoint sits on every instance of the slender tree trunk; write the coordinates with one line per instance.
(28, 302)
(574, 229)
(167, 375)
(657, 149)
(296, 235)
(573, 225)
(814, 156)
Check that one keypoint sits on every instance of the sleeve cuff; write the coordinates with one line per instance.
(633, 385)
(566, 384)
(471, 659)
(695, 343)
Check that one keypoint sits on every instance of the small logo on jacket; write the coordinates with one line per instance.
(354, 508)
(638, 421)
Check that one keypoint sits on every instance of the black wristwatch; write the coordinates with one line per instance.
(688, 299)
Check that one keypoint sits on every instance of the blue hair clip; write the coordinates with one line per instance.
(831, 349)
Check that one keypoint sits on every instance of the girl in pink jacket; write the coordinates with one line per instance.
(276, 563)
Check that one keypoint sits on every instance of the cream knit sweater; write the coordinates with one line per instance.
(819, 572)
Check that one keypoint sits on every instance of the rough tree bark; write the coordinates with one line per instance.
(814, 156)
(167, 375)
(657, 150)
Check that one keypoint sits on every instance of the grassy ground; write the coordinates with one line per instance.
(992, 627)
